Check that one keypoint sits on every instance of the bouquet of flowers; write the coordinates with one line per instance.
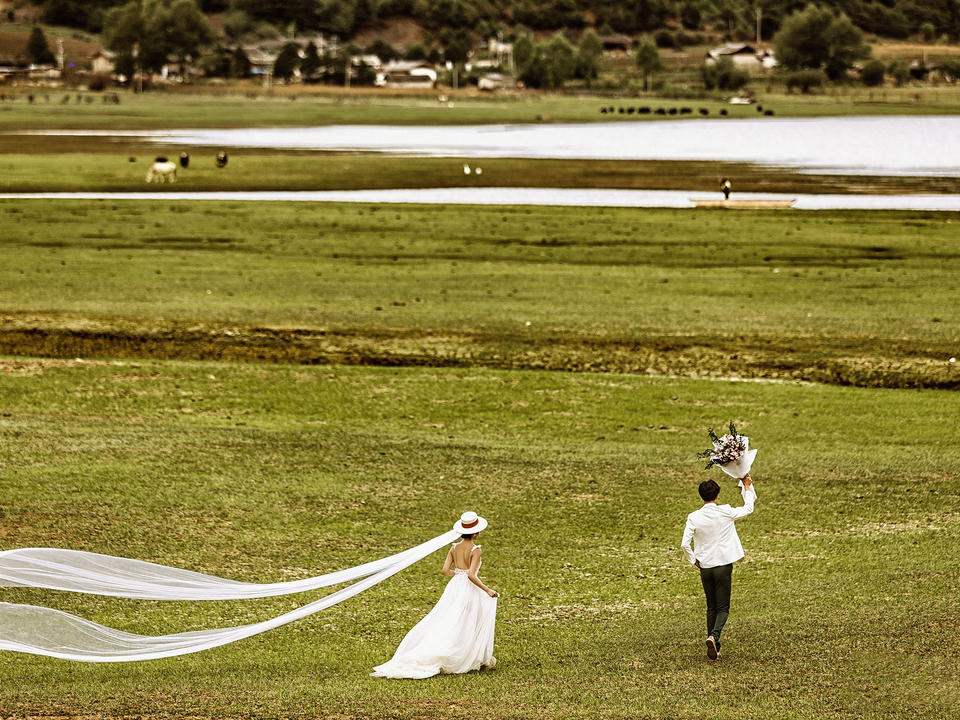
(730, 452)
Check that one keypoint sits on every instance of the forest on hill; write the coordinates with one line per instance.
(736, 19)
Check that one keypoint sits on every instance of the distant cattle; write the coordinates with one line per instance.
(221, 159)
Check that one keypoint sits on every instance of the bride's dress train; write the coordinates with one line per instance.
(456, 636)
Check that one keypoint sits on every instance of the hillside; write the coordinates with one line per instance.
(932, 20)
(76, 50)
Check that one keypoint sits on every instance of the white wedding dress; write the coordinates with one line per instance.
(456, 636)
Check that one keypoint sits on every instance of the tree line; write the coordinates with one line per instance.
(737, 19)
(812, 45)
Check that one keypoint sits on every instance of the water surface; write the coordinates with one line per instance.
(570, 197)
(904, 145)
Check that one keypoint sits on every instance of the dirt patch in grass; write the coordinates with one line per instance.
(834, 360)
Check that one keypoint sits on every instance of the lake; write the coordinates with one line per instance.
(586, 197)
(900, 145)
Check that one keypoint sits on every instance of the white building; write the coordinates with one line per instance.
(743, 56)
(495, 81)
(407, 73)
(101, 62)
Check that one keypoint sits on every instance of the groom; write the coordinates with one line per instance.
(713, 531)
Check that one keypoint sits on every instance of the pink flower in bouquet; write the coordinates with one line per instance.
(730, 452)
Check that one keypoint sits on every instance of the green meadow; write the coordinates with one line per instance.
(206, 106)
(269, 391)
(843, 607)
(855, 298)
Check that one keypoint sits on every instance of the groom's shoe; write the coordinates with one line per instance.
(711, 648)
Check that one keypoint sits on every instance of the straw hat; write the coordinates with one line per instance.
(469, 523)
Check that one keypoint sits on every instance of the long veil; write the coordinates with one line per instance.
(45, 631)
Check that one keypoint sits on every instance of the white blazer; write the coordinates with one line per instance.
(712, 530)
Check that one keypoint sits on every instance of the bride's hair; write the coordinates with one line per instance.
(468, 536)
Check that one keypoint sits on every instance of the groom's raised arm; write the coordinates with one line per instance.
(749, 496)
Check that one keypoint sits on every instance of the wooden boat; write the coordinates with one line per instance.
(746, 204)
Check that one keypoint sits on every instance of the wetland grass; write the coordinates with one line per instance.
(861, 298)
(33, 164)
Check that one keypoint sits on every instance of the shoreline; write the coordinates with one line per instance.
(530, 196)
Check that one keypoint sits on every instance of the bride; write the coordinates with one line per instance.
(457, 635)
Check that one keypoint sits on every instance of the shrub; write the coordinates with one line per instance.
(216, 64)
(664, 39)
(363, 74)
(899, 71)
(239, 63)
(683, 39)
(382, 49)
(723, 75)
(950, 68)
(287, 62)
(416, 52)
(873, 73)
(805, 79)
(98, 82)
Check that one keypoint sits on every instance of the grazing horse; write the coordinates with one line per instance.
(163, 170)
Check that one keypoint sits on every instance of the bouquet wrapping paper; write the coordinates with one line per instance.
(740, 467)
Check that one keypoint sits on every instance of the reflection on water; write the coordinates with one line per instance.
(529, 196)
(850, 145)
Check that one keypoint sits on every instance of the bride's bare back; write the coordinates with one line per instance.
(463, 555)
(466, 557)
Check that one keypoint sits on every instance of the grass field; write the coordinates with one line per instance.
(210, 107)
(268, 391)
(841, 297)
(843, 607)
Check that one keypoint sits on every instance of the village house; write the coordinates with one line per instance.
(501, 53)
(743, 56)
(12, 74)
(406, 74)
(261, 60)
(616, 43)
(102, 62)
(495, 81)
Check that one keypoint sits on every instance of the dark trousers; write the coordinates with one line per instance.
(716, 586)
